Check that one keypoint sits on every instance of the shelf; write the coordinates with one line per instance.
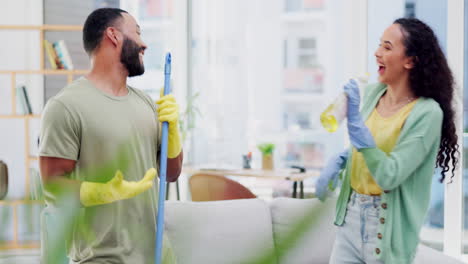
(42, 27)
(10, 246)
(14, 252)
(19, 116)
(48, 72)
(17, 206)
(16, 202)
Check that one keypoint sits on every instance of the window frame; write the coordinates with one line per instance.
(453, 203)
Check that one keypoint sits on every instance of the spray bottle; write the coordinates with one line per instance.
(335, 113)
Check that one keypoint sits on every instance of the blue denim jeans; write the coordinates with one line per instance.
(356, 239)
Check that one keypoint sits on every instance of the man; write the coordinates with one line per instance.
(87, 124)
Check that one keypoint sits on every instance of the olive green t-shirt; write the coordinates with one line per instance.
(85, 124)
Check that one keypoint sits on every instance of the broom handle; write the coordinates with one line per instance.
(163, 167)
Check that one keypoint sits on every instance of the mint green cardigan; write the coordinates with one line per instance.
(405, 175)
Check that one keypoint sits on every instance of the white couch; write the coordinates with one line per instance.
(236, 231)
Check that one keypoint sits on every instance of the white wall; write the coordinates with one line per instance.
(20, 50)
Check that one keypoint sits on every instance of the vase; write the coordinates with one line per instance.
(267, 162)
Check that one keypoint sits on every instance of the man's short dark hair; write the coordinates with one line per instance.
(95, 25)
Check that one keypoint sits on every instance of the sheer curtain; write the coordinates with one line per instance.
(236, 69)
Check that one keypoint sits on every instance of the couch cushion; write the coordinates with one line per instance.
(316, 243)
(219, 232)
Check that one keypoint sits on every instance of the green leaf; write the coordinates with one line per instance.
(266, 148)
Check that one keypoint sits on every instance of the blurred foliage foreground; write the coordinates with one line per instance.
(63, 207)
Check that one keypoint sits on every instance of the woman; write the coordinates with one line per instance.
(409, 129)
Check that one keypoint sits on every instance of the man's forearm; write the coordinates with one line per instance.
(59, 189)
(57, 185)
(174, 167)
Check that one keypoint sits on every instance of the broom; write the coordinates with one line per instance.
(162, 166)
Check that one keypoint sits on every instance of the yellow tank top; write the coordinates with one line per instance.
(385, 131)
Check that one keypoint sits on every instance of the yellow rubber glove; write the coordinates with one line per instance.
(168, 110)
(94, 193)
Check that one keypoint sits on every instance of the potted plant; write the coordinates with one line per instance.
(267, 155)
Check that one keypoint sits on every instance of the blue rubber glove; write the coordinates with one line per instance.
(359, 134)
(330, 174)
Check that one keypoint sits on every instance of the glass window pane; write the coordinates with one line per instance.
(259, 85)
(303, 5)
(307, 44)
(156, 20)
(307, 61)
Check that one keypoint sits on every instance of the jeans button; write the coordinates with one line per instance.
(382, 220)
(379, 235)
(377, 250)
(384, 205)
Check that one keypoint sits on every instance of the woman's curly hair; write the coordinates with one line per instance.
(431, 77)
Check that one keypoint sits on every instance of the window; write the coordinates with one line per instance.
(303, 5)
(156, 19)
(299, 116)
(307, 53)
(260, 85)
(302, 72)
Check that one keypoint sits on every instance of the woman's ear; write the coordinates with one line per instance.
(410, 61)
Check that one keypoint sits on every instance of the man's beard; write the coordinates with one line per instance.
(130, 57)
